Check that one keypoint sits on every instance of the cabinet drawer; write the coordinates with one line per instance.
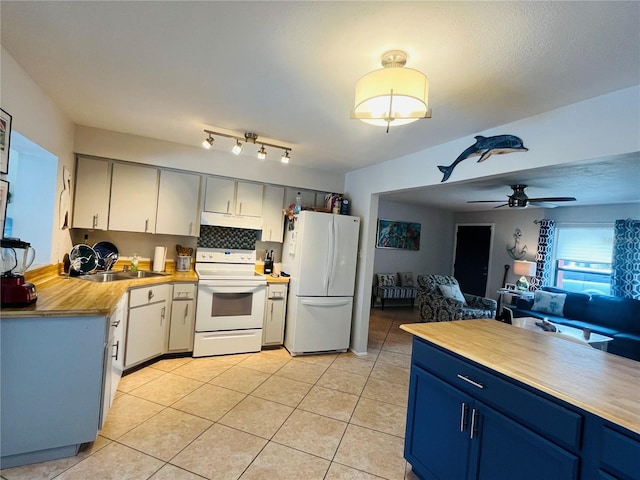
(147, 295)
(184, 291)
(549, 419)
(620, 454)
(276, 291)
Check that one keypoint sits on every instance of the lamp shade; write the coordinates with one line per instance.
(522, 267)
(395, 95)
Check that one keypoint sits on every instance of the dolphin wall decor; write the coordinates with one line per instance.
(485, 147)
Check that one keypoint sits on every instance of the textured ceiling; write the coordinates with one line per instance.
(287, 70)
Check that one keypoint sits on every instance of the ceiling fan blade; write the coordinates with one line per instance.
(503, 205)
(484, 201)
(553, 199)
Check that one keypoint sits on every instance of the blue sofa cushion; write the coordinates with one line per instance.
(622, 314)
(574, 305)
(625, 345)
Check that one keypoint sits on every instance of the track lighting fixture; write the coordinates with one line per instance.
(249, 137)
(208, 142)
(237, 148)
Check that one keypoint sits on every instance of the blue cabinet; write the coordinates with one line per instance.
(451, 435)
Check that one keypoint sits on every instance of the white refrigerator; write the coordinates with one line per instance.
(320, 255)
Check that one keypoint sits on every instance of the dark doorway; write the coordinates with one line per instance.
(473, 251)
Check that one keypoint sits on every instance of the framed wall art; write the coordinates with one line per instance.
(4, 199)
(5, 140)
(394, 234)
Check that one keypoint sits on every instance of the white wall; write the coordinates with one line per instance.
(436, 246)
(602, 126)
(37, 118)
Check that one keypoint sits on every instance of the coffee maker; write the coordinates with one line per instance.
(17, 256)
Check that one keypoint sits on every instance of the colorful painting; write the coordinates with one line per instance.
(403, 235)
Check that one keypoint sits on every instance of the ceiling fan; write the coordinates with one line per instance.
(519, 199)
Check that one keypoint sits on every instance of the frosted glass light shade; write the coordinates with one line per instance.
(404, 89)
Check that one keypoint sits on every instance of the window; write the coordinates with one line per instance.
(583, 259)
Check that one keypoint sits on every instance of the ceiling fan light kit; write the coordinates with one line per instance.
(392, 95)
(249, 137)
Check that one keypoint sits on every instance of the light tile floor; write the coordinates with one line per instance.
(265, 416)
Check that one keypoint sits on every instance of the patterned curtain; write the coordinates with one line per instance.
(544, 257)
(625, 276)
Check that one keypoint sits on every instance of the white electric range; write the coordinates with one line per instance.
(231, 301)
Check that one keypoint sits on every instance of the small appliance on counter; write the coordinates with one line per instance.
(268, 263)
(183, 262)
(16, 292)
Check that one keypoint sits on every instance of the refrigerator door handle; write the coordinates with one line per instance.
(334, 252)
(327, 266)
(315, 303)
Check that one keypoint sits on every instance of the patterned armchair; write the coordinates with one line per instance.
(435, 306)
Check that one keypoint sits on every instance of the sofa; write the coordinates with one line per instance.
(440, 300)
(395, 286)
(615, 317)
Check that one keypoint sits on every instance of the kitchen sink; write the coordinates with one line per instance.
(114, 276)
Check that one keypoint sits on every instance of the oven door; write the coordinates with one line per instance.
(229, 307)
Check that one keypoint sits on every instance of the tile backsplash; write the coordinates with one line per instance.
(212, 236)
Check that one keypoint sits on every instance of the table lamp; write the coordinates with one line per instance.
(525, 269)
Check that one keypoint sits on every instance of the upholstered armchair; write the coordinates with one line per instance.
(440, 300)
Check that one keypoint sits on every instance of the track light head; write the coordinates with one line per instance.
(285, 157)
(262, 153)
(237, 148)
(208, 142)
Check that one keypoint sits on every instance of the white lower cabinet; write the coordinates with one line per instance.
(274, 314)
(183, 314)
(147, 325)
(119, 321)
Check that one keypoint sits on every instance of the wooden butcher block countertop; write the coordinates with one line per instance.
(60, 297)
(604, 384)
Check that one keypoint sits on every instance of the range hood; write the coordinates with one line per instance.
(230, 220)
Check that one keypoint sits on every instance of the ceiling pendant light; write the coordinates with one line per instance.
(208, 142)
(237, 148)
(392, 95)
(262, 153)
(285, 157)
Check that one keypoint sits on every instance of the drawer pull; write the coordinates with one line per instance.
(468, 380)
(463, 417)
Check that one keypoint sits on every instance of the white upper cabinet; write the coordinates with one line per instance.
(272, 214)
(234, 198)
(178, 203)
(249, 199)
(91, 202)
(134, 198)
(219, 197)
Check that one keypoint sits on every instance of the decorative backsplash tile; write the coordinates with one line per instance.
(212, 236)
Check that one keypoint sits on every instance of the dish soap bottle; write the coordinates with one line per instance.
(298, 205)
(134, 263)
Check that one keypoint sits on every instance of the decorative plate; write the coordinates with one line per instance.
(83, 258)
(107, 254)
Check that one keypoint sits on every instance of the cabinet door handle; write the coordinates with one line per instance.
(150, 295)
(162, 312)
(240, 209)
(115, 324)
(117, 345)
(146, 225)
(186, 313)
(271, 311)
(228, 205)
(468, 380)
(474, 426)
(190, 227)
(463, 417)
(95, 220)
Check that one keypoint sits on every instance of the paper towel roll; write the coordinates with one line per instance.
(159, 257)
